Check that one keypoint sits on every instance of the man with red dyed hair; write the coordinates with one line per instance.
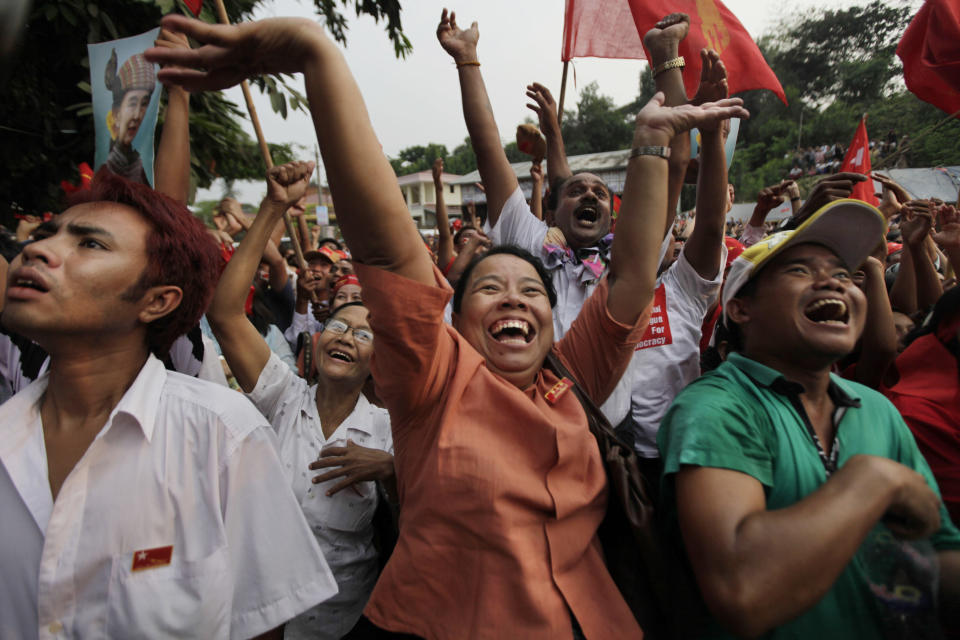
(137, 501)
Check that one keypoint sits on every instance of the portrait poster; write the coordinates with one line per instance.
(126, 98)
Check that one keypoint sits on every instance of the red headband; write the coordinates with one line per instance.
(345, 280)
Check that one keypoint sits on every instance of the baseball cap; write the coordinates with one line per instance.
(850, 228)
(323, 252)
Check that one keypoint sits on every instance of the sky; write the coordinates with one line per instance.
(416, 100)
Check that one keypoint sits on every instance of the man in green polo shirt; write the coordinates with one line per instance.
(804, 505)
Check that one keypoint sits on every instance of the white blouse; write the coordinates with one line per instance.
(342, 523)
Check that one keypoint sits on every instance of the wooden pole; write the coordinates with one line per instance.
(563, 91)
(264, 149)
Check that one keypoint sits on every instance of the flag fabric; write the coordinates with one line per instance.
(857, 160)
(600, 29)
(194, 6)
(713, 26)
(930, 51)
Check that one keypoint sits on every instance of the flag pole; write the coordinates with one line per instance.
(563, 90)
(264, 149)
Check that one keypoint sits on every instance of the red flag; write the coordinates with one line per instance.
(600, 29)
(714, 26)
(857, 160)
(930, 51)
(194, 6)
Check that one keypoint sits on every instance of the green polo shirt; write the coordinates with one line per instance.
(741, 417)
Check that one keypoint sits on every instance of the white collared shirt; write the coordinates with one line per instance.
(179, 463)
(342, 523)
(573, 281)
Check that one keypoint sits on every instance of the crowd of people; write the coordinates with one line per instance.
(578, 416)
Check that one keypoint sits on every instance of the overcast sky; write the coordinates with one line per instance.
(417, 100)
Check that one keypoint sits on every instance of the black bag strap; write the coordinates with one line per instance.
(647, 567)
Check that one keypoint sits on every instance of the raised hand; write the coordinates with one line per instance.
(354, 464)
(917, 222)
(770, 197)
(231, 53)
(949, 235)
(544, 106)
(437, 170)
(658, 124)
(663, 41)
(536, 173)
(889, 184)
(461, 44)
(287, 183)
(171, 40)
(713, 78)
(839, 185)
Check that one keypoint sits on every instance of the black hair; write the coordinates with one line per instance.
(945, 309)
(261, 315)
(729, 330)
(460, 232)
(553, 198)
(333, 241)
(510, 250)
(345, 305)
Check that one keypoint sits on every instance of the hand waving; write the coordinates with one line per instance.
(544, 106)
(461, 44)
(231, 53)
(658, 124)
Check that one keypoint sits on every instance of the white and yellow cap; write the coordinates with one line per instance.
(850, 228)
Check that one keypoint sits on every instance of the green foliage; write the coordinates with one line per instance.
(418, 158)
(46, 128)
(463, 160)
(835, 66)
(389, 10)
(596, 126)
(844, 54)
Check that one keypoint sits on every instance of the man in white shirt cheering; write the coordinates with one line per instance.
(137, 501)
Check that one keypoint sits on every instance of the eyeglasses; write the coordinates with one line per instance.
(339, 327)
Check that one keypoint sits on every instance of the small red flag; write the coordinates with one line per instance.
(714, 26)
(857, 160)
(194, 6)
(150, 558)
(930, 51)
(600, 29)
(558, 390)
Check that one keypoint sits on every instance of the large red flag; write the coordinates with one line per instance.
(930, 51)
(600, 29)
(857, 160)
(712, 25)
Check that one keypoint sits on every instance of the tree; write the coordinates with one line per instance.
(829, 93)
(46, 113)
(596, 126)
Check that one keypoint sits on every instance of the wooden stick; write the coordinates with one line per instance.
(265, 150)
(563, 90)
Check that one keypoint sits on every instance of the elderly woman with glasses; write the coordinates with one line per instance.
(330, 426)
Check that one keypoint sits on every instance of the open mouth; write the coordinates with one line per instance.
(512, 332)
(26, 278)
(587, 213)
(342, 356)
(829, 311)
